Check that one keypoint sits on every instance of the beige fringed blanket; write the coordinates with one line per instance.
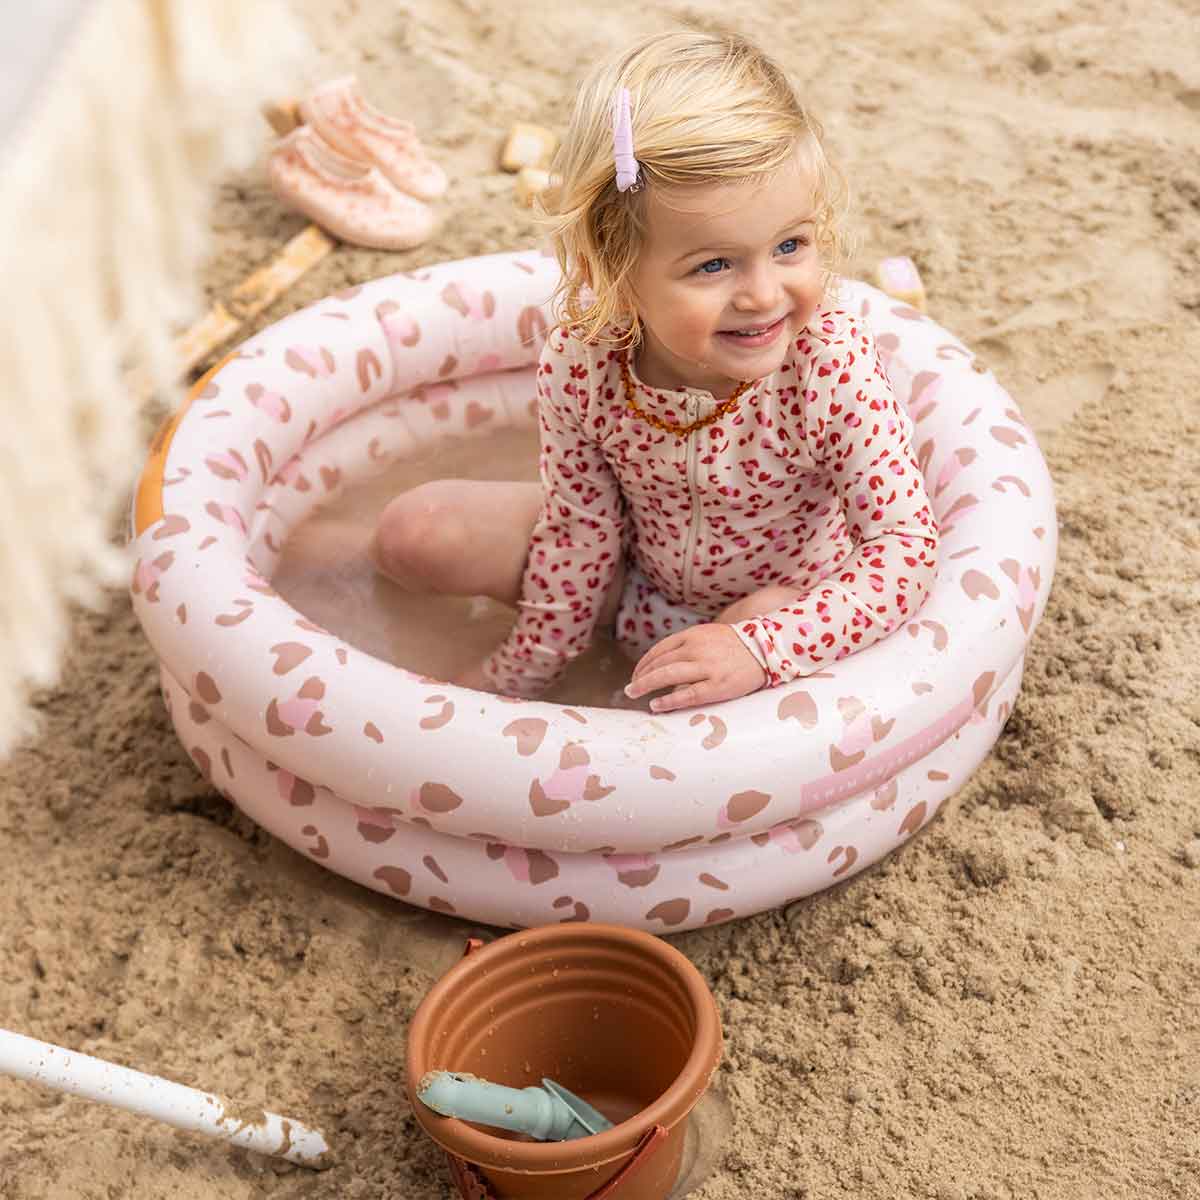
(104, 207)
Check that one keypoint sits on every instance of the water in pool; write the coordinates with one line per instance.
(325, 574)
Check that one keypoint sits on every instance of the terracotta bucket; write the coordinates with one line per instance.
(616, 1015)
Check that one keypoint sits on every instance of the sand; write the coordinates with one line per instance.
(1005, 1009)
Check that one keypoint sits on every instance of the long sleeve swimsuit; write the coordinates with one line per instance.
(810, 483)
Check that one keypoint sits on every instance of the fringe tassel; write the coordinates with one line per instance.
(105, 198)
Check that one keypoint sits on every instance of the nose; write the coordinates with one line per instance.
(758, 288)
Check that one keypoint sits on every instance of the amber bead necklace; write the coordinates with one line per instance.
(680, 431)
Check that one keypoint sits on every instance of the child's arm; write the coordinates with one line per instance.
(860, 436)
(576, 542)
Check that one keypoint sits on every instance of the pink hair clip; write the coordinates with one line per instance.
(628, 168)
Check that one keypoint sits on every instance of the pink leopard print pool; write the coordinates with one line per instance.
(521, 812)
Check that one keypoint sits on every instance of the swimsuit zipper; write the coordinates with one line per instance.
(689, 548)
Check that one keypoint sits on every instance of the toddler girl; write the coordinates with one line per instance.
(727, 480)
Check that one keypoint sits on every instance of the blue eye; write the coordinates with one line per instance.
(714, 266)
(789, 245)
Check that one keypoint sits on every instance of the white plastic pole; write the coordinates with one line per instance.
(149, 1096)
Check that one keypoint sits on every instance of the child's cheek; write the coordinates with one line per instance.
(701, 321)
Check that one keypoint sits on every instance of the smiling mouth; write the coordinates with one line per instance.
(755, 335)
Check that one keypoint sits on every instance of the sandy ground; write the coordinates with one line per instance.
(1007, 1008)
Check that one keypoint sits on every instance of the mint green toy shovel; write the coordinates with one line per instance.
(548, 1113)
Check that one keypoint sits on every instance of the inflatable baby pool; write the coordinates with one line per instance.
(522, 813)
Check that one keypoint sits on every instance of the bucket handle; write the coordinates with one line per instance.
(649, 1143)
(471, 1185)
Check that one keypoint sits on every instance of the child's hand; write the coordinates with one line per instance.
(704, 665)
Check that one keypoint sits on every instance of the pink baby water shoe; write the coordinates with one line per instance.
(340, 114)
(352, 200)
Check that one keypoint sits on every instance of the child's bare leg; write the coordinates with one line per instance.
(458, 537)
(462, 537)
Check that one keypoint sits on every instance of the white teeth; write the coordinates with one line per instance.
(752, 332)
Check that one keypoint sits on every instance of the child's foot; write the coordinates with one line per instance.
(350, 199)
(340, 114)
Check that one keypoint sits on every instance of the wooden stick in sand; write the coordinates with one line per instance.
(259, 289)
(150, 1096)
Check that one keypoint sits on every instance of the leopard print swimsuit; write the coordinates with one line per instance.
(810, 483)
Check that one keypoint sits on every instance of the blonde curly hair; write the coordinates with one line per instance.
(707, 109)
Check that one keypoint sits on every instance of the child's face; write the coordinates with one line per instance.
(722, 259)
